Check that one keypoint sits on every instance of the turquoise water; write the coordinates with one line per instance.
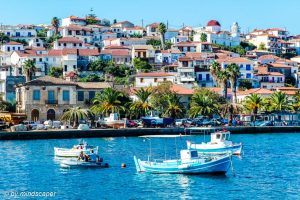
(269, 169)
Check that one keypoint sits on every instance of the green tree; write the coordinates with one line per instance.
(159, 96)
(42, 34)
(3, 38)
(204, 102)
(296, 102)
(174, 108)
(99, 65)
(142, 105)
(162, 29)
(221, 76)
(168, 45)
(75, 114)
(29, 69)
(91, 18)
(245, 84)
(262, 46)
(108, 101)
(141, 65)
(253, 103)
(203, 37)
(154, 42)
(56, 72)
(55, 23)
(234, 73)
(135, 35)
(115, 21)
(7, 106)
(279, 101)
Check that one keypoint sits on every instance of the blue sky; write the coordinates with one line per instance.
(249, 14)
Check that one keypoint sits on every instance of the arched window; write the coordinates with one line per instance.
(35, 115)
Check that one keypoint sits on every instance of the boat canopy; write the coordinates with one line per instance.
(220, 136)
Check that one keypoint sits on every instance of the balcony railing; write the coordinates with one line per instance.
(52, 102)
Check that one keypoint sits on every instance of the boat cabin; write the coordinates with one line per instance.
(220, 136)
(188, 154)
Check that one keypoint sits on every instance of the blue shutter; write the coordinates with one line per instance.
(80, 96)
(36, 95)
(66, 95)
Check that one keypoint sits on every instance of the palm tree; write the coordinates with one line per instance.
(108, 101)
(142, 105)
(29, 69)
(162, 29)
(234, 73)
(175, 108)
(220, 76)
(203, 105)
(296, 103)
(55, 23)
(75, 114)
(253, 103)
(279, 101)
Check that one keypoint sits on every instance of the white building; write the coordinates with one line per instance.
(68, 42)
(12, 46)
(19, 32)
(153, 79)
(136, 30)
(217, 36)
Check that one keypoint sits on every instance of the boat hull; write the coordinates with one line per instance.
(235, 149)
(219, 166)
(89, 164)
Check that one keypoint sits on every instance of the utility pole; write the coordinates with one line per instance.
(167, 24)
(142, 23)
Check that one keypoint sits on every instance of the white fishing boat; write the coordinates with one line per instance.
(219, 144)
(75, 150)
(112, 121)
(189, 161)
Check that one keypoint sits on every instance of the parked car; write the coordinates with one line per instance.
(30, 124)
(131, 123)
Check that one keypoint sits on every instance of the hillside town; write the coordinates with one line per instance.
(49, 69)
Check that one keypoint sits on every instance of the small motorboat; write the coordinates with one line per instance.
(75, 151)
(219, 144)
(189, 163)
(81, 163)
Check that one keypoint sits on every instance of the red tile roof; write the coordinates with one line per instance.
(261, 91)
(178, 89)
(69, 40)
(154, 74)
(13, 43)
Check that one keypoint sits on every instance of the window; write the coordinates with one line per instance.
(74, 45)
(66, 95)
(19, 48)
(155, 80)
(142, 80)
(241, 66)
(248, 75)
(74, 67)
(80, 44)
(225, 66)
(8, 48)
(165, 79)
(40, 59)
(248, 67)
(34, 60)
(65, 44)
(36, 95)
(91, 94)
(66, 68)
(80, 96)
(13, 48)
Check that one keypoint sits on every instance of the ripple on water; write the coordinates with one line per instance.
(269, 168)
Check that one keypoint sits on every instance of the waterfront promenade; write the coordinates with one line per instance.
(133, 132)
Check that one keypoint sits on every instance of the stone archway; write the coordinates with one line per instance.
(35, 115)
(51, 114)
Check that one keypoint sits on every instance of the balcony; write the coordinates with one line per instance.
(51, 102)
(187, 79)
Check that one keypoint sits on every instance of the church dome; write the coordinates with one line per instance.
(213, 23)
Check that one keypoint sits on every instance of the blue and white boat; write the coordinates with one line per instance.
(189, 163)
(219, 144)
